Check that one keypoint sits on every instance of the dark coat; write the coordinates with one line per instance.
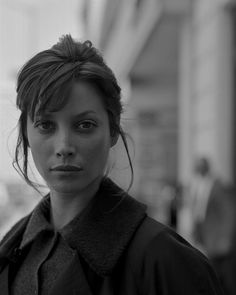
(121, 251)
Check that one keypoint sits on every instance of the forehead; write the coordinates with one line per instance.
(83, 93)
(82, 97)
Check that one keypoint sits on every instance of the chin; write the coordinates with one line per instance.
(67, 188)
(74, 187)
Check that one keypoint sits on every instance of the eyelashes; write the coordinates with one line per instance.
(44, 125)
(47, 126)
(87, 124)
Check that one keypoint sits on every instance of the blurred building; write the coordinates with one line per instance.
(26, 27)
(175, 62)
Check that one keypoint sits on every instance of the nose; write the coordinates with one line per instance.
(64, 146)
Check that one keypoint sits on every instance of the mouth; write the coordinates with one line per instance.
(66, 168)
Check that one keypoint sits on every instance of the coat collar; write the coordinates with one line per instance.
(38, 222)
(105, 227)
(101, 232)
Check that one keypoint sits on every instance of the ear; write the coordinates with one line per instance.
(114, 139)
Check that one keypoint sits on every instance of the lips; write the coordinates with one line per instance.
(66, 168)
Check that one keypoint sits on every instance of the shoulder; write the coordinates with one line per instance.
(18, 228)
(11, 240)
(162, 259)
(15, 231)
(163, 242)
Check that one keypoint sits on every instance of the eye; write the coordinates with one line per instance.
(86, 125)
(44, 126)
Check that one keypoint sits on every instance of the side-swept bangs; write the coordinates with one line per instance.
(42, 87)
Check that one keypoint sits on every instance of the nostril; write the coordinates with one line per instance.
(64, 153)
(64, 149)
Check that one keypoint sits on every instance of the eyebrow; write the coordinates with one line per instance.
(82, 114)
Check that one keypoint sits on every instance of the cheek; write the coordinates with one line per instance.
(40, 154)
(35, 142)
(97, 150)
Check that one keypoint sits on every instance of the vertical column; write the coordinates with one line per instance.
(224, 96)
(212, 86)
(184, 102)
(185, 119)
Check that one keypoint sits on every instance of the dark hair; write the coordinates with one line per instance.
(53, 71)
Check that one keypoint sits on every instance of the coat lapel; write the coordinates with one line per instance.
(72, 280)
(4, 280)
(104, 229)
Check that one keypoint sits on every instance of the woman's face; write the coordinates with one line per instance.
(70, 147)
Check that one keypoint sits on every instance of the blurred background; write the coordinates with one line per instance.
(175, 62)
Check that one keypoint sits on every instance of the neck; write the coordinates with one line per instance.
(65, 206)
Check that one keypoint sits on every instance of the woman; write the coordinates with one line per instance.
(87, 236)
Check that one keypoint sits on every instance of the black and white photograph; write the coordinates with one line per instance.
(118, 147)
